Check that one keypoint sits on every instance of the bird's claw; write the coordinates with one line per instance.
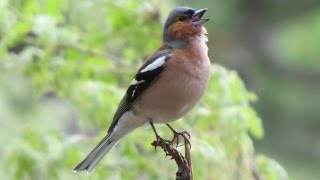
(186, 136)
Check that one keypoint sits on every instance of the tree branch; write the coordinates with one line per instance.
(184, 163)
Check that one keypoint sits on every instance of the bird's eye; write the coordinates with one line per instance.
(182, 18)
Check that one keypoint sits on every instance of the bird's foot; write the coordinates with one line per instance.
(185, 135)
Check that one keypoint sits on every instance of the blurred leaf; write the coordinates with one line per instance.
(270, 169)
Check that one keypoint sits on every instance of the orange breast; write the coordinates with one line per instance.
(179, 88)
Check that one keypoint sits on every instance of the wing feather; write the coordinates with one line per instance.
(147, 75)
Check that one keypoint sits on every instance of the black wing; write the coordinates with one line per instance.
(146, 75)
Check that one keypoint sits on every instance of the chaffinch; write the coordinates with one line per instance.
(167, 86)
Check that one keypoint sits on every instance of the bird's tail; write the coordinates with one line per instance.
(93, 158)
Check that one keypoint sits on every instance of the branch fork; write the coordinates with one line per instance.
(183, 162)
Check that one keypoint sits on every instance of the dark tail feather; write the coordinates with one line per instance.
(93, 158)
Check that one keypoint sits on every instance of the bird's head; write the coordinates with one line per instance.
(183, 24)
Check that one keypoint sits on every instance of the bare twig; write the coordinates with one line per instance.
(184, 163)
(188, 156)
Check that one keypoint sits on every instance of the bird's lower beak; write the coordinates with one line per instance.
(196, 17)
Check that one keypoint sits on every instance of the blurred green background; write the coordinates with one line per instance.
(66, 64)
(274, 46)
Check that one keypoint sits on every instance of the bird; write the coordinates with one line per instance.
(167, 86)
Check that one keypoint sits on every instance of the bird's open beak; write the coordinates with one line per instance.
(196, 17)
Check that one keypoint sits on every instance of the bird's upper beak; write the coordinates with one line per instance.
(196, 17)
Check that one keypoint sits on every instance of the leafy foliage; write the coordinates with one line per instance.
(65, 66)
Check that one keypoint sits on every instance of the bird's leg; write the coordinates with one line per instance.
(176, 135)
(154, 130)
(159, 139)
